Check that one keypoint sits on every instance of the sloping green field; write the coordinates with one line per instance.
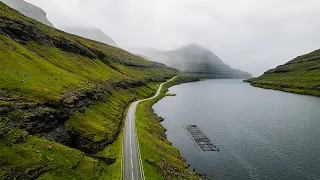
(63, 99)
(301, 75)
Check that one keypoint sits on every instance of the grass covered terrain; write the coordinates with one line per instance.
(63, 100)
(301, 76)
(160, 159)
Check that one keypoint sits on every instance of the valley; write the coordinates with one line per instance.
(86, 94)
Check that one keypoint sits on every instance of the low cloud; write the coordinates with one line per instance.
(252, 35)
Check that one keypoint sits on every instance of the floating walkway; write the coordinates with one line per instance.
(202, 142)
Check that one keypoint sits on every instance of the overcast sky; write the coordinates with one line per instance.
(251, 35)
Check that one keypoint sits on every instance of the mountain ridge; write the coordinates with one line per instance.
(195, 59)
(38, 14)
(29, 10)
(92, 33)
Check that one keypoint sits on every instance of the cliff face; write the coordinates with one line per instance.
(29, 10)
(92, 33)
(196, 60)
(300, 75)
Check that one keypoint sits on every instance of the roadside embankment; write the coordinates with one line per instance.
(160, 159)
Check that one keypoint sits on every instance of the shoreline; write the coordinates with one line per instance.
(284, 88)
(160, 159)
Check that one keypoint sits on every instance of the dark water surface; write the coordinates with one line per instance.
(261, 134)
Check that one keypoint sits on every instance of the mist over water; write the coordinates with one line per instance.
(261, 134)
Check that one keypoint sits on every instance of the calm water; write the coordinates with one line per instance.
(262, 134)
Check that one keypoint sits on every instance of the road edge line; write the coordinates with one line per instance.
(122, 162)
(140, 160)
(137, 137)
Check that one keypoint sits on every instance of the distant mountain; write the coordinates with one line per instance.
(300, 75)
(144, 57)
(29, 10)
(91, 33)
(196, 60)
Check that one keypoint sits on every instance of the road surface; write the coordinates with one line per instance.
(132, 168)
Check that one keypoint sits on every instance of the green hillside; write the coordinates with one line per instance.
(63, 100)
(301, 75)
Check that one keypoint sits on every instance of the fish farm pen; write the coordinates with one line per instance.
(201, 141)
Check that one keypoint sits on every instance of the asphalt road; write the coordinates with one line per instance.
(132, 168)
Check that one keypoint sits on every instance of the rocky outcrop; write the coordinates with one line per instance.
(22, 32)
(48, 119)
(73, 47)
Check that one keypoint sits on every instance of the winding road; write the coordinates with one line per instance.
(132, 168)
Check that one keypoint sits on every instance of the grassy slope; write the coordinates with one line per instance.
(160, 159)
(301, 75)
(45, 74)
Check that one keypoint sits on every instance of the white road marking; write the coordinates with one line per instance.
(131, 122)
(132, 176)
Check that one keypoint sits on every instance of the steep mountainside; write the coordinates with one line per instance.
(300, 75)
(91, 33)
(196, 60)
(63, 100)
(29, 10)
